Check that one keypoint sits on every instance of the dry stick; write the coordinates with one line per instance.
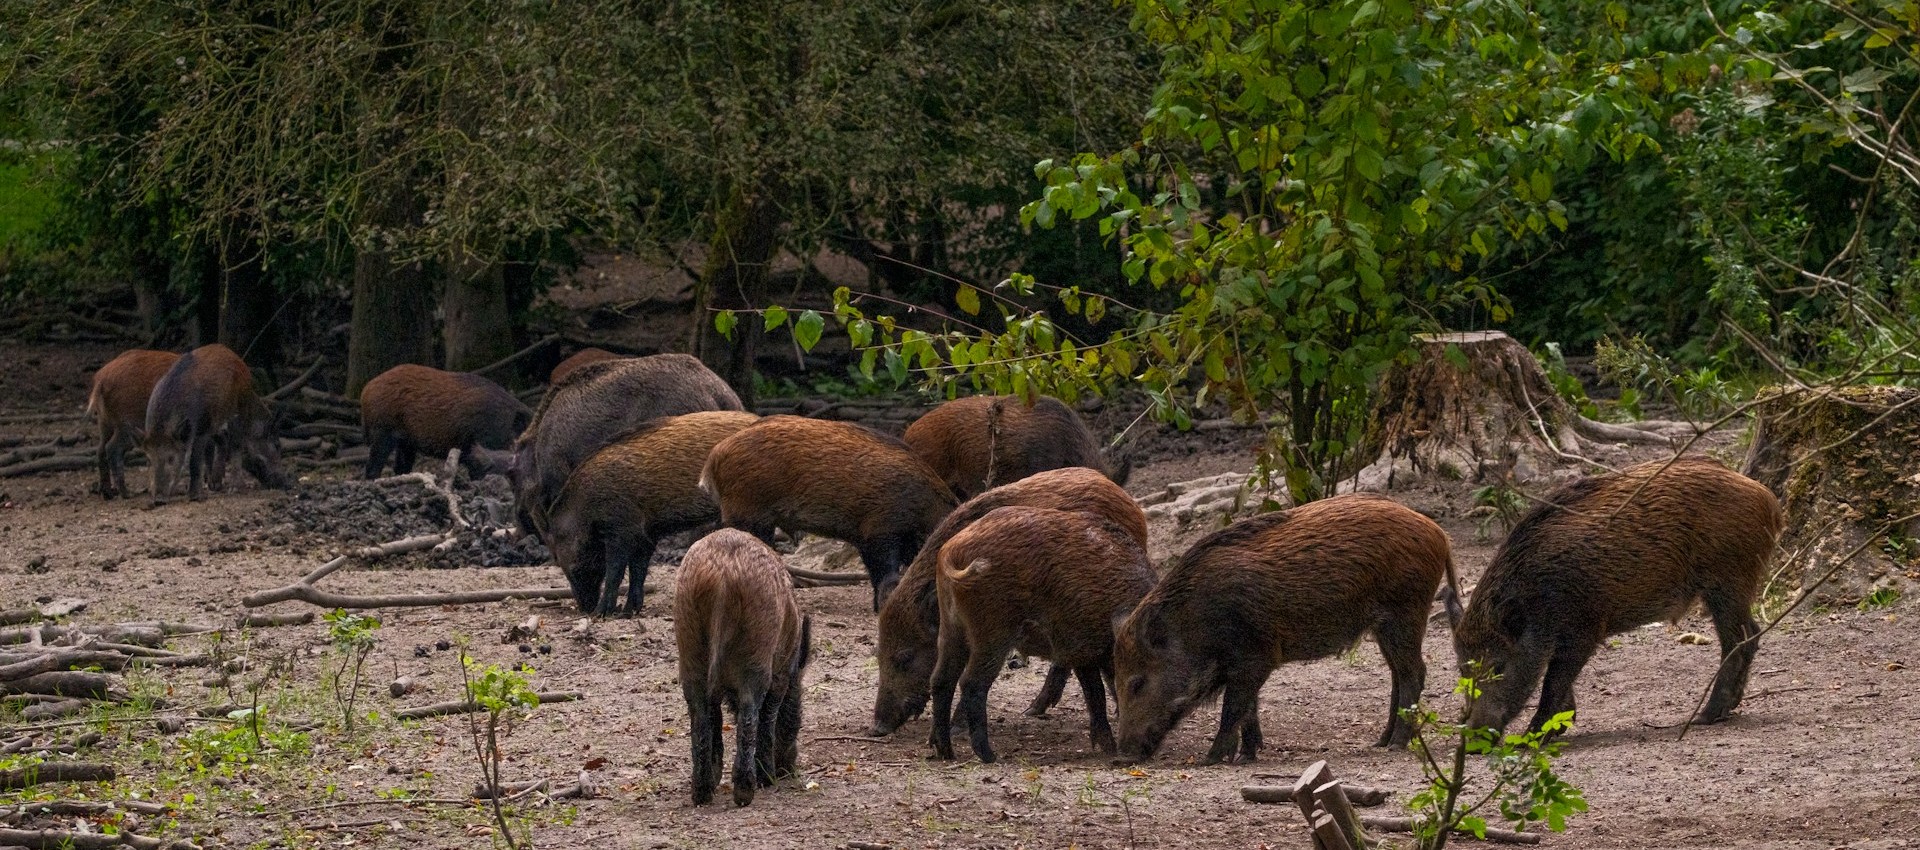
(466, 707)
(57, 771)
(1806, 593)
(299, 382)
(820, 579)
(57, 463)
(1394, 824)
(262, 621)
(503, 362)
(84, 808)
(390, 801)
(856, 738)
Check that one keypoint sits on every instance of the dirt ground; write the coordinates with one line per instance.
(1823, 752)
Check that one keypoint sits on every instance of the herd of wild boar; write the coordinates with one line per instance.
(995, 527)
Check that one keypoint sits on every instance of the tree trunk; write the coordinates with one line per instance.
(1842, 464)
(1475, 407)
(247, 302)
(200, 275)
(477, 326)
(735, 278)
(152, 295)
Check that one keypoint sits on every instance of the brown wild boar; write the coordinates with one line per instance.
(616, 506)
(1294, 585)
(1606, 554)
(583, 357)
(201, 410)
(742, 642)
(1047, 582)
(909, 631)
(410, 410)
(595, 404)
(834, 479)
(118, 404)
(980, 442)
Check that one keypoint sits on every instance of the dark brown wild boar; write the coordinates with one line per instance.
(834, 479)
(980, 442)
(583, 357)
(616, 506)
(118, 404)
(1609, 553)
(1046, 582)
(908, 643)
(595, 404)
(410, 410)
(743, 642)
(201, 411)
(1295, 585)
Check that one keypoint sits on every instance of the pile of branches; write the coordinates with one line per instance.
(38, 660)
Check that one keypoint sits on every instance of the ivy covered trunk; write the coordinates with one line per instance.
(1844, 464)
(735, 278)
(1471, 407)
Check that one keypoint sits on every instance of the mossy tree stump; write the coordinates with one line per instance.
(1843, 463)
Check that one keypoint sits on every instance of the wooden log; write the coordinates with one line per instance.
(267, 621)
(32, 666)
(297, 383)
(1327, 833)
(1316, 775)
(67, 683)
(815, 578)
(1359, 795)
(328, 599)
(55, 771)
(32, 418)
(1332, 799)
(56, 839)
(55, 709)
(143, 634)
(1403, 824)
(57, 463)
(465, 707)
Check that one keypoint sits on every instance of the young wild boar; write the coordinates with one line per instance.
(118, 404)
(1296, 585)
(742, 642)
(595, 404)
(1047, 582)
(908, 642)
(410, 410)
(583, 357)
(617, 505)
(980, 442)
(200, 410)
(1606, 554)
(834, 479)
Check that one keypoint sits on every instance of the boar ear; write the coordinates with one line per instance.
(1150, 626)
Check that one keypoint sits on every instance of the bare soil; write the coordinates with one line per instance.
(1822, 754)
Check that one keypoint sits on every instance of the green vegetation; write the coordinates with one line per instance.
(1522, 786)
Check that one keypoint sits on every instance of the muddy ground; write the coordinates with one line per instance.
(1823, 753)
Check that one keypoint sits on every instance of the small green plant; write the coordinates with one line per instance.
(1498, 503)
(495, 692)
(1881, 597)
(1554, 362)
(352, 639)
(1524, 787)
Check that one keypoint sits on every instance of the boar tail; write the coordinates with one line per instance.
(1450, 597)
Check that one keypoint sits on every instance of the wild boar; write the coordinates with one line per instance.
(742, 642)
(617, 506)
(200, 410)
(411, 409)
(118, 404)
(1609, 553)
(907, 646)
(1295, 585)
(583, 357)
(834, 479)
(1047, 582)
(980, 442)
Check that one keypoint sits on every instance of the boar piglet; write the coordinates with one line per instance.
(742, 643)
(411, 410)
(983, 441)
(617, 506)
(201, 412)
(1046, 582)
(118, 404)
(1604, 555)
(908, 644)
(1296, 585)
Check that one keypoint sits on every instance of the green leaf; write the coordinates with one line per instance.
(723, 323)
(1308, 79)
(775, 316)
(969, 299)
(808, 329)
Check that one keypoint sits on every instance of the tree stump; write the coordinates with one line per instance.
(1843, 463)
(1473, 406)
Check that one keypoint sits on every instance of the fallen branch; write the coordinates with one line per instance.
(58, 839)
(265, 621)
(510, 359)
(55, 709)
(815, 578)
(68, 683)
(401, 547)
(327, 599)
(1608, 433)
(1495, 834)
(1359, 795)
(144, 634)
(467, 707)
(297, 383)
(57, 463)
(83, 808)
(55, 771)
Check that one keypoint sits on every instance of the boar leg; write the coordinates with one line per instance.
(947, 671)
(882, 557)
(1096, 694)
(1050, 691)
(703, 711)
(380, 443)
(614, 552)
(639, 560)
(746, 735)
(1399, 639)
(786, 757)
(1733, 619)
(112, 461)
(1240, 704)
(983, 667)
(1556, 694)
(403, 455)
(767, 744)
(198, 447)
